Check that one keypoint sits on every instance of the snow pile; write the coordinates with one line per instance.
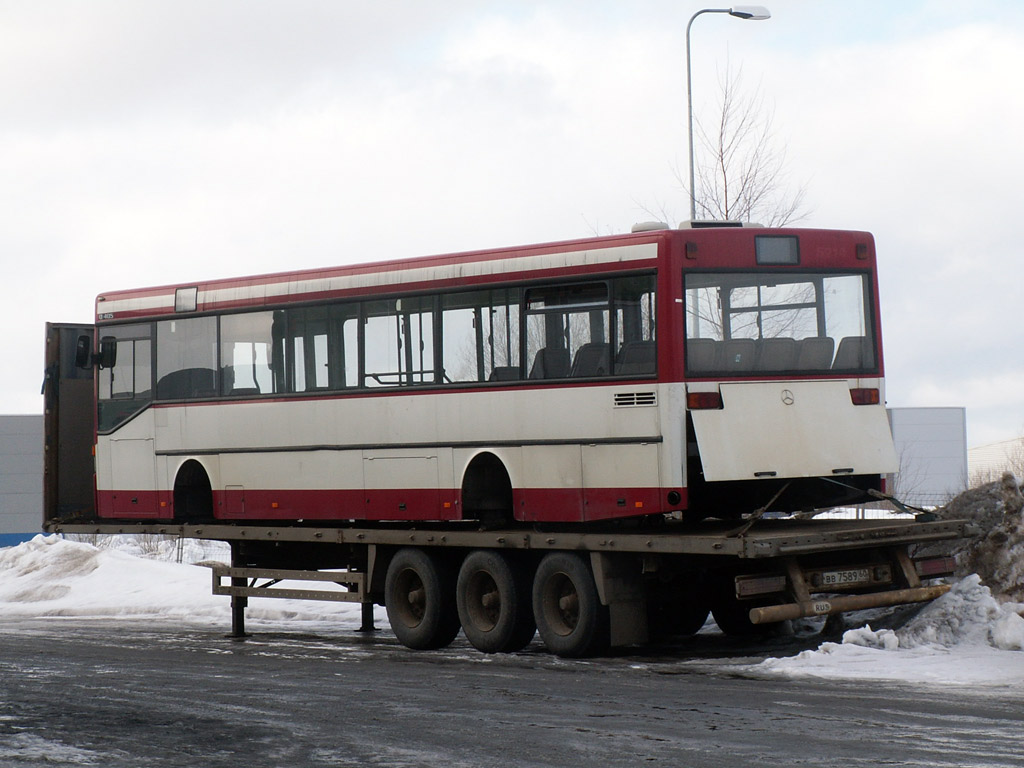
(883, 639)
(161, 547)
(964, 637)
(996, 554)
(52, 576)
(966, 615)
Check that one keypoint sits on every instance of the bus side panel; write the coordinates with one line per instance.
(552, 484)
(621, 480)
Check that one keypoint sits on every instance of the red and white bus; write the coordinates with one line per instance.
(697, 371)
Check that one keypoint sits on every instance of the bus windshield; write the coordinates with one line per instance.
(744, 323)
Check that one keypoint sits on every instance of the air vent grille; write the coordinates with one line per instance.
(635, 399)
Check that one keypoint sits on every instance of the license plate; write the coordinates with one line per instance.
(842, 578)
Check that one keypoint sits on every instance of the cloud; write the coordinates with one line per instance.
(149, 143)
(915, 139)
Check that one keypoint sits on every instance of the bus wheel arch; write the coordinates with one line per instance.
(193, 492)
(487, 490)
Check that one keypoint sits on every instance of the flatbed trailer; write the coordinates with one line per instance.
(592, 439)
(585, 589)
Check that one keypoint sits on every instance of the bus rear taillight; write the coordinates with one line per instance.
(865, 396)
(704, 401)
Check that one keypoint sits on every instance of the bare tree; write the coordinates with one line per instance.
(740, 168)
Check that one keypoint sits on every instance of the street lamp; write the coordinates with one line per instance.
(753, 12)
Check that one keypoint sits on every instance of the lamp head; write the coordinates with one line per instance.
(753, 12)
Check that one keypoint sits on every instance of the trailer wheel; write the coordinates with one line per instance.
(419, 593)
(732, 615)
(678, 614)
(570, 618)
(493, 598)
(734, 619)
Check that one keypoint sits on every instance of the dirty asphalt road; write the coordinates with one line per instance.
(112, 694)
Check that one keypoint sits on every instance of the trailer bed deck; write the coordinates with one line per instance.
(750, 540)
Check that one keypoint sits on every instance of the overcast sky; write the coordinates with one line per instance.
(159, 142)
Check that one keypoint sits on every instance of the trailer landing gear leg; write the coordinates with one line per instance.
(367, 625)
(238, 602)
(238, 605)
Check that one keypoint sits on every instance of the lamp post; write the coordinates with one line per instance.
(753, 12)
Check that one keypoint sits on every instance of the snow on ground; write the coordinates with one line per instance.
(965, 637)
(128, 577)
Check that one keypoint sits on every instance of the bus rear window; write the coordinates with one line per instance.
(742, 323)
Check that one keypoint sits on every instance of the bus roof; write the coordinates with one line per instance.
(716, 247)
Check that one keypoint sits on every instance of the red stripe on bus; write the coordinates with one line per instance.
(410, 504)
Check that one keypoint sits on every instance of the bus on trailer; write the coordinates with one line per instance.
(703, 372)
(587, 439)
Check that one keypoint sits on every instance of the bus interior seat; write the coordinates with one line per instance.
(815, 353)
(737, 355)
(592, 359)
(550, 363)
(187, 383)
(636, 357)
(854, 352)
(504, 373)
(777, 354)
(701, 355)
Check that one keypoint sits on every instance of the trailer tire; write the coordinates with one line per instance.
(493, 597)
(679, 615)
(570, 618)
(732, 615)
(419, 595)
(734, 620)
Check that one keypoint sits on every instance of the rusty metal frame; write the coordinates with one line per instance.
(765, 539)
(353, 581)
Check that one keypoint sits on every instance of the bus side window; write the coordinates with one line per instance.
(567, 330)
(480, 335)
(398, 345)
(348, 338)
(635, 325)
(246, 353)
(315, 348)
(186, 358)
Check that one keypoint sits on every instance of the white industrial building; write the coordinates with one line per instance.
(988, 462)
(931, 444)
(21, 478)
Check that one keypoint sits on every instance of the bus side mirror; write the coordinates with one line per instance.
(83, 352)
(107, 358)
(108, 352)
